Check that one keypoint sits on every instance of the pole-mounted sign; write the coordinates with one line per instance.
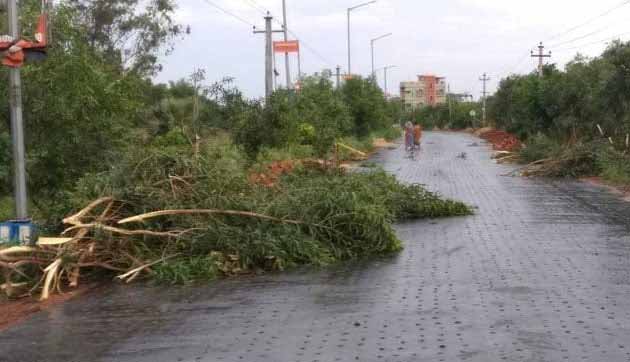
(289, 46)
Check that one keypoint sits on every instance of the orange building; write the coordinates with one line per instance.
(428, 90)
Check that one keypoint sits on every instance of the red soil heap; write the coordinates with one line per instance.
(273, 172)
(501, 140)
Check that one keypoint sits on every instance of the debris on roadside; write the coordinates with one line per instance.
(501, 140)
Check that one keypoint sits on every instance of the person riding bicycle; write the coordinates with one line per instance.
(417, 135)
(408, 136)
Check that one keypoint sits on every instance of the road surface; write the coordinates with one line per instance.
(540, 273)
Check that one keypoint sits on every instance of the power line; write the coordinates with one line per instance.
(579, 38)
(228, 13)
(616, 37)
(570, 30)
(589, 34)
(302, 41)
(256, 6)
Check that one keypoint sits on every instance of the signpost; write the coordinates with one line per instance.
(289, 46)
(286, 47)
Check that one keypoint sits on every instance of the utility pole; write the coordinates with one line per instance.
(338, 76)
(541, 56)
(286, 38)
(484, 79)
(349, 11)
(372, 47)
(269, 76)
(17, 122)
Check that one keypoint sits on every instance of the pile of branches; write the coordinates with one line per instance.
(176, 216)
(571, 161)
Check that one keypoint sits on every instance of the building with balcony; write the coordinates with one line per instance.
(428, 90)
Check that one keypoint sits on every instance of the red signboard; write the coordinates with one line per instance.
(289, 46)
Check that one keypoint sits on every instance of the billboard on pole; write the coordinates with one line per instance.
(289, 46)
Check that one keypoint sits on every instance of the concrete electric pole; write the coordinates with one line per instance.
(541, 56)
(269, 70)
(372, 47)
(286, 38)
(485, 80)
(338, 76)
(17, 123)
(349, 11)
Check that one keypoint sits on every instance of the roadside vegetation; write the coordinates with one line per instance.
(574, 122)
(189, 181)
(454, 115)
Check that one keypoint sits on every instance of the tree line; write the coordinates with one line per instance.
(93, 101)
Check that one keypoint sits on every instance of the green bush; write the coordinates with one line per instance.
(539, 147)
(368, 106)
(614, 166)
(390, 134)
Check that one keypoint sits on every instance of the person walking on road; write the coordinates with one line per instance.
(417, 135)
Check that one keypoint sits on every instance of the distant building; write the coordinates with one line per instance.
(460, 97)
(428, 90)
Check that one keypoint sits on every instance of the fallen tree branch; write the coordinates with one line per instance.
(133, 272)
(514, 172)
(115, 230)
(151, 215)
(76, 218)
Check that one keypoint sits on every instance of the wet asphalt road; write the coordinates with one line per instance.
(540, 273)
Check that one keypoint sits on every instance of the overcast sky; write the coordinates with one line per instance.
(457, 39)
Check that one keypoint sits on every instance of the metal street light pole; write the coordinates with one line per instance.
(286, 37)
(350, 10)
(385, 77)
(372, 46)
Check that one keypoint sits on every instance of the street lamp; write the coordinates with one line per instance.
(372, 46)
(349, 10)
(385, 76)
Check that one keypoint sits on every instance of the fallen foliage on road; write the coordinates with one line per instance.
(177, 217)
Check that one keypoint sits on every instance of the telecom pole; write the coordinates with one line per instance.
(17, 123)
(338, 76)
(541, 56)
(286, 38)
(484, 79)
(268, 53)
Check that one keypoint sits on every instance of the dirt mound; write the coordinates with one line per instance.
(501, 140)
(272, 173)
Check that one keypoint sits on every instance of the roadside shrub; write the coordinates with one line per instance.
(539, 147)
(390, 134)
(614, 165)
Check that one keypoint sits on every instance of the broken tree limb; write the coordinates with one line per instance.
(360, 153)
(151, 215)
(115, 230)
(514, 172)
(50, 275)
(133, 272)
(76, 218)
